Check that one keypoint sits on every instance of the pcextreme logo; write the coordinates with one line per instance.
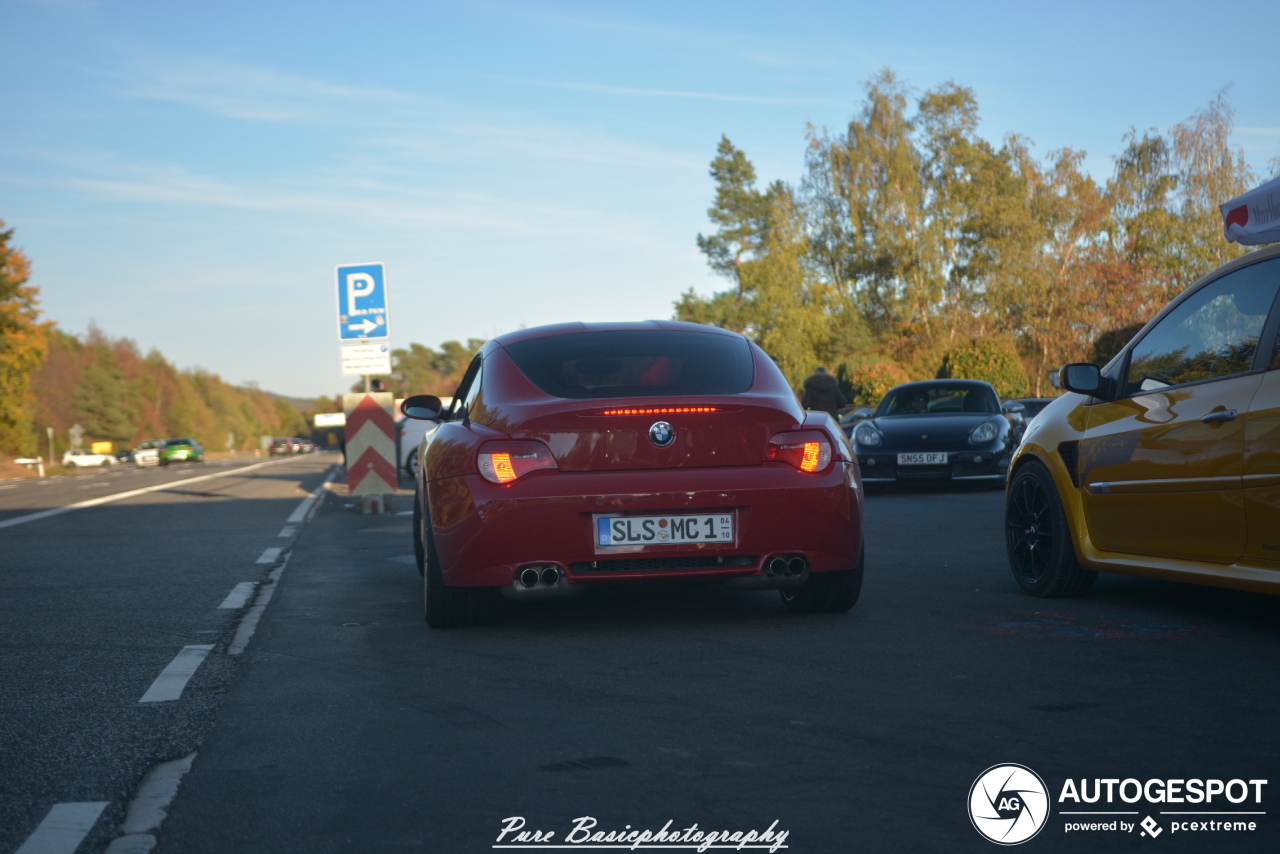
(1008, 804)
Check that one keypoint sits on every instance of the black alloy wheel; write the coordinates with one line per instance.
(1038, 539)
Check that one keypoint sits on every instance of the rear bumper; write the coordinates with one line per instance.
(485, 533)
(960, 466)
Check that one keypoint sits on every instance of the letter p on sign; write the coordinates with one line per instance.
(358, 285)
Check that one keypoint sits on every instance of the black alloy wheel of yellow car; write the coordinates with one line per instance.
(1041, 550)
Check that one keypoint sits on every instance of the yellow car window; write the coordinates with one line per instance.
(1212, 334)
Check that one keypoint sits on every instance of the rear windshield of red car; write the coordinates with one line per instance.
(641, 363)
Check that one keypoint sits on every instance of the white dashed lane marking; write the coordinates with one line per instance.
(63, 829)
(239, 595)
(287, 531)
(171, 681)
(271, 555)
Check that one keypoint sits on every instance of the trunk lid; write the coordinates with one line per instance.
(614, 435)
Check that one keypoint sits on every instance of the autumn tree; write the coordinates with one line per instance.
(911, 239)
(423, 370)
(23, 343)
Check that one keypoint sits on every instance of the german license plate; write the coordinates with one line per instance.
(933, 458)
(664, 530)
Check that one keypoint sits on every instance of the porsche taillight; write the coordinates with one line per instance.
(807, 450)
(504, 462)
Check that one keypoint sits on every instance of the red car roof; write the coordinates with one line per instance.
(629, 326)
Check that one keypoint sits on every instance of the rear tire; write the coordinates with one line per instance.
(444, 606)
(419, 551)
(1038, 540)
(827, 592)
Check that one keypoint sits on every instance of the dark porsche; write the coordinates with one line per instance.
(938, 429)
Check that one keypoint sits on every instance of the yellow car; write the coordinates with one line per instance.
(1165, 463)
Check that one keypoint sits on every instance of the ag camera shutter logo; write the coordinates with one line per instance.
(1008, 804)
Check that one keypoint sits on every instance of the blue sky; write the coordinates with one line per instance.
(188, 175)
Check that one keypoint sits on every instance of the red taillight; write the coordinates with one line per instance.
(659, 410)
(807, 450)
(503, 462)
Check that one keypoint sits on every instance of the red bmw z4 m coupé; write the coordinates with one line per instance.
(581, 454)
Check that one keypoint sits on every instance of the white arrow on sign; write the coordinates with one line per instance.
(365, 325)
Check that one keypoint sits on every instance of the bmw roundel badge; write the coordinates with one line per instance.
(662, 434)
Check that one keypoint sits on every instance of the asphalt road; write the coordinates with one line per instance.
(348, 726)
(95, 603)
(24, 495)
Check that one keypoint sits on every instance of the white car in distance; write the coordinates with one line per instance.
(78, 458)
(148, 453)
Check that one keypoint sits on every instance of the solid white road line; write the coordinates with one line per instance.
(105, 499)
(249, 622)
(270, 555)
(300, 512)
(63, 829)
(148, 808)
(239, 595)
(171, 681)
(287, 531)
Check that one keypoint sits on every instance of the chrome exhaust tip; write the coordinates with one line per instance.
(529, 577)
(550, 575)
(777, 566)
(796, 566)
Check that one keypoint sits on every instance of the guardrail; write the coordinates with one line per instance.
(36, 463)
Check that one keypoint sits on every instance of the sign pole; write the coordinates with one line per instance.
(364, 330)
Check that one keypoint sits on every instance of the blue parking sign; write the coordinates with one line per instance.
(362, 302)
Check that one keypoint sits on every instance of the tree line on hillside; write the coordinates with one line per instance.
(52, 379)
(911, 248)
(117, 394)
(49, 378)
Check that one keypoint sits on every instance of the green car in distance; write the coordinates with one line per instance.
(179, 450)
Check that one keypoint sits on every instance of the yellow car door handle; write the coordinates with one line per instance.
(1220, 417)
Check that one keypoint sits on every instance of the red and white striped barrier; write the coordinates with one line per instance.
(371, 444)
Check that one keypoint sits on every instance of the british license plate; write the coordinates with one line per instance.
(614, 531)
(933, 458)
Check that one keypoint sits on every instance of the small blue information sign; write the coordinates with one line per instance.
(362, 302)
